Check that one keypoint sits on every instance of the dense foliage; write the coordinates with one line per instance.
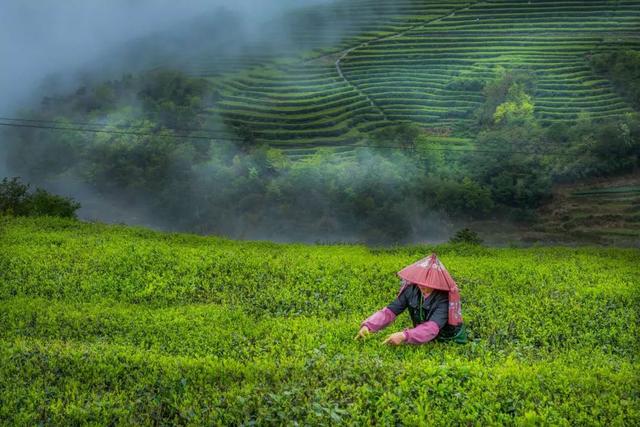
(539, 93)
(427, 62)
(156, 159)
(16, 198)
(112, 325)
(623, 67)
(466, 235)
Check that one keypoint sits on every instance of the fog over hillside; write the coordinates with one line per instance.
(52, 44)
(327, 120)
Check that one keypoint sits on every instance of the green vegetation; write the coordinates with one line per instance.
(17, 199)
(608, 211)
(427, 63)
(531, 95)
(466, 235)
(193, 181)
(173, 99)
(623, 67)
(506, 98)
(416, 118)
(109, 325)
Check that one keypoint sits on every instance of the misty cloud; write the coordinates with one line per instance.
(56, 40)
(70, 49)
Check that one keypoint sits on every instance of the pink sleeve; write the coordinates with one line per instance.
(422, 333)
(379, 319)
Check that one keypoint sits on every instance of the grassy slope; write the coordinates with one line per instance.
(114, 324)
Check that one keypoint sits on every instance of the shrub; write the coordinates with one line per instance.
(16, 199)
(623, 68)
(44, 203)
(466, 235)
(13, 197)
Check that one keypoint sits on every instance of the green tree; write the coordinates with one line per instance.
(14, 196)
(402, 135)
(499, 90)
(466, 235)
(17, 199)
(44, 203)
(518, 106)
(623, 68)
(174, 99)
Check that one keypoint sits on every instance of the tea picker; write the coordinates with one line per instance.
(432, 297)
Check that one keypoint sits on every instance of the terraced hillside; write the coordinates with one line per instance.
(603, 212)
(609, 210)
(308, 99)
(404, 63)
(210, 47)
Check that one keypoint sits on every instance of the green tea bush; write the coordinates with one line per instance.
(111, 325)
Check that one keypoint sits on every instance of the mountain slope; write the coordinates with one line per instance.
(414, 66)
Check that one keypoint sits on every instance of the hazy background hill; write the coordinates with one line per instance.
(344, 120)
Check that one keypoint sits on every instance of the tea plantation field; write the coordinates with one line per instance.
(608, 211)
(426, 63)
(111, 325)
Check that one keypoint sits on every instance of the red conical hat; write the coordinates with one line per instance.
(430, 273)
(427, 273)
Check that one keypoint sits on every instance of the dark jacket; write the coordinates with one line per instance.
(435, 306)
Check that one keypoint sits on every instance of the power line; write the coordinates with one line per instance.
(226, 139)
(113, 132)
(127, 126)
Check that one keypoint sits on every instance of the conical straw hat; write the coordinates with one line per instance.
(430, 273)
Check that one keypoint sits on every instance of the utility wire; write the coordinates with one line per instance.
(226, 139)
(112, 132)
(127, 126)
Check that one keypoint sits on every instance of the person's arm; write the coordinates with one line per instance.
(379, 320)
(382, 318)
(428, 330)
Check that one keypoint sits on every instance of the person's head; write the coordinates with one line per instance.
(425, 291)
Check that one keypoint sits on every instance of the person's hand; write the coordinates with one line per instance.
(394, 339)
(362, 333)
